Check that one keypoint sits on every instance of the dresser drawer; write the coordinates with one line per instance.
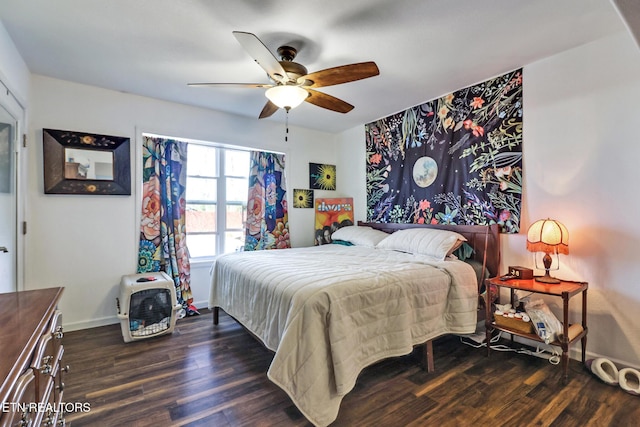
(43, 364)
(48, 356)
(20, 409)
(59, 369)
(31, 370)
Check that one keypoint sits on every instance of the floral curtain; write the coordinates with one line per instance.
(267, 217)
(453, 160)
(162, 229)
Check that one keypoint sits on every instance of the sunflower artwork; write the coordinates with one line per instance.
(302, 198)
(322, 176)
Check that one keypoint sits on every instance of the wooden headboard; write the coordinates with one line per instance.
(476, 236)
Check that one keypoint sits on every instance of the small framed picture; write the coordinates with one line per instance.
(303, 198)
(322, 176)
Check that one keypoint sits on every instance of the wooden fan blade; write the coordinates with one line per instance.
(263, 56)
(327, 101)
(240, 85)
(268, 110)
(339, 75)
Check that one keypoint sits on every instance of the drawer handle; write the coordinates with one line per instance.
(61, 386)
(65, 368)
(48, 421)
(24, 421)
(58, 333)
(46, 369)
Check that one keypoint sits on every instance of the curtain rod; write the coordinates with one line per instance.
(212, 143)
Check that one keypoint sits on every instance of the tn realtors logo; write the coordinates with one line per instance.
(63, 407)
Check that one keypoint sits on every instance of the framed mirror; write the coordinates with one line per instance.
(85, 163)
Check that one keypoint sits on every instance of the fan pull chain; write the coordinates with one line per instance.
(286, 134)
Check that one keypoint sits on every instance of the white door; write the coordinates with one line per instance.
(8, 201)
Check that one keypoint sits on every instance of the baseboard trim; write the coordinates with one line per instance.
(87, 324)
(104, 321)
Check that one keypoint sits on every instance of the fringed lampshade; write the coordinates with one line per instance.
(551, 237)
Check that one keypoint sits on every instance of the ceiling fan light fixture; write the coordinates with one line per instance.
(290, 83)
(286, 96)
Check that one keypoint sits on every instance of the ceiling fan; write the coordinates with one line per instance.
(290, 83)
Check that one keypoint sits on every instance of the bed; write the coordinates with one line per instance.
(329, 311)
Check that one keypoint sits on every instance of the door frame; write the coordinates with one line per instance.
(15, 108)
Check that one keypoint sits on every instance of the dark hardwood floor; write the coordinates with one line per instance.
(205, 375)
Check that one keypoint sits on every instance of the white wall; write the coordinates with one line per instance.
(86, 243)
(581, 153)
(13, 70)
(351, 160)
(580, 160)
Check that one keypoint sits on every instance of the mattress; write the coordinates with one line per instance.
(329, 311)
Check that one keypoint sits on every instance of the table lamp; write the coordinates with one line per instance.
(551, 237)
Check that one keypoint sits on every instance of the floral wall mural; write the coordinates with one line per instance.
(453, 160)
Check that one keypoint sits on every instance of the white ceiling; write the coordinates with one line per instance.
(423, 48)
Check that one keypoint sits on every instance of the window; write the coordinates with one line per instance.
(217, 188)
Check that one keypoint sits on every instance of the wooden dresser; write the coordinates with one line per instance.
(31, 353)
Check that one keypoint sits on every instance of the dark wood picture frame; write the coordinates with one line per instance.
(57, 179)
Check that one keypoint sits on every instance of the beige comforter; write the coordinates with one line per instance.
(329, 311)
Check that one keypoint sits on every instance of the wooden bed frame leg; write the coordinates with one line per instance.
(216, 315)
(428, 357)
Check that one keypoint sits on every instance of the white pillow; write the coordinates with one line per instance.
(359, 235)
(424, 241)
